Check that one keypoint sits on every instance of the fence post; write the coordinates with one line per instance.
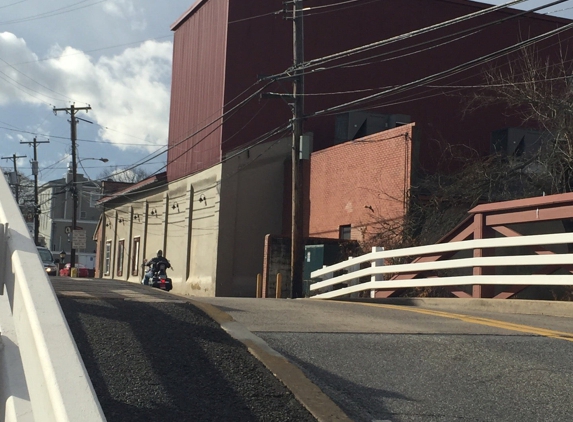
(278, 293)
(354, 281)
(376, 263)
(258, 293)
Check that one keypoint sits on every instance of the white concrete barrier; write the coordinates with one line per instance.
(36, 340)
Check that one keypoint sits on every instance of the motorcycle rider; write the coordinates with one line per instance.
(151, 264)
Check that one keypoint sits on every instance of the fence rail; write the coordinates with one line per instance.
(42, 376)
(325, 281)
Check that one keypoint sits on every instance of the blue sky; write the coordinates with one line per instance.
(113, 55)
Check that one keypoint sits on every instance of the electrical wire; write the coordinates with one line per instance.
(179, 143)
(274, 132)
(8, 79)
(93, 50)
(346, 53)
(460, 35)
(52, 13)
(33, 80)
(362, 3)
(12, 4)
(443, 74)
(278, 12)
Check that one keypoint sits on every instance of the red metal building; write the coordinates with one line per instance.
(223, 47)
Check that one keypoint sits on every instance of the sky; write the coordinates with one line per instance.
(111, 55)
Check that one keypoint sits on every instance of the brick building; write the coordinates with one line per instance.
(346, 199)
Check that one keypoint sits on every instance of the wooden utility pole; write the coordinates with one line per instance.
(73, 122)
(297, 240)
(15, 157)
(34, 163)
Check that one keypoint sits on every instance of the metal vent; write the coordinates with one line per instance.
(516, 141)
(358, 124)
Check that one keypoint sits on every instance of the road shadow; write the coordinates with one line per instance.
(360, 403)
(158, 361)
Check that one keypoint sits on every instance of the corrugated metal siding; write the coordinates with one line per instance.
(255, 46)
(258, 43)
(197, 90)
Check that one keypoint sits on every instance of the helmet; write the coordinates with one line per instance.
(159, 252)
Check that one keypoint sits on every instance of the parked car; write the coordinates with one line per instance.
(48, 260)
(82, 270)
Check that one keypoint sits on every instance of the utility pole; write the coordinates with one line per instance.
(36, 202)
(14, 157)
(72, 111)
(297, 240)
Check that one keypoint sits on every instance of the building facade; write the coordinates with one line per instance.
(357, 185)
(56, 208)
(227, 182)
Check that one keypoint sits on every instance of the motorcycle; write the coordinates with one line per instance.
(159, 278)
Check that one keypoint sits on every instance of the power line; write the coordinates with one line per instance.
(441, 75)
(459, 35)
(33, 80)
(94, 50)
(12, 4)
(411, 34)
(55, 12)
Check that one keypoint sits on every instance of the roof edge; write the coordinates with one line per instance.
(157, 179)
(194, 7)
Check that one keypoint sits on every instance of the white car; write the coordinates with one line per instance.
(48, 260)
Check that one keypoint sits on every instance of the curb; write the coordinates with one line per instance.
(509, 306)
(304, 390)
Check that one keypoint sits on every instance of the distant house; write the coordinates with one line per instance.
(56, 207)
(227, 181)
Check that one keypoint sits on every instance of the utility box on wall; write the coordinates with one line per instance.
(313, 259)
(316, 257)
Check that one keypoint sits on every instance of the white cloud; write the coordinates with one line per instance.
(125, 9)
(129, 92)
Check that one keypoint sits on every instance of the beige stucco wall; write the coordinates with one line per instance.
(211, 225)
(159, 219)
(252, 197)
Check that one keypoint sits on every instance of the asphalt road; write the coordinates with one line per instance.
(154, 357)
(388, 363)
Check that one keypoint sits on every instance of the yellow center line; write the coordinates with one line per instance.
(476, 320)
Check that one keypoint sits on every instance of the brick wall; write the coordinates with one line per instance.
(359, 182)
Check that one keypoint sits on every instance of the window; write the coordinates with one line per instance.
(344, 232)
(94, 197)
(82, 215)
(120, 250)
(135, 256)
(107, 258)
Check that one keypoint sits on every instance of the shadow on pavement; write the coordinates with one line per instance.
(354, 399)
(170, 362)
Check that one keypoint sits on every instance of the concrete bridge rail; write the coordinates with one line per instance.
(42, 376)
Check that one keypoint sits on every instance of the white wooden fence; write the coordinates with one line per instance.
(324, 281)
(42, 376)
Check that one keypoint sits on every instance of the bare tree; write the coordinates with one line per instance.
(128, 175)
(539, 91)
